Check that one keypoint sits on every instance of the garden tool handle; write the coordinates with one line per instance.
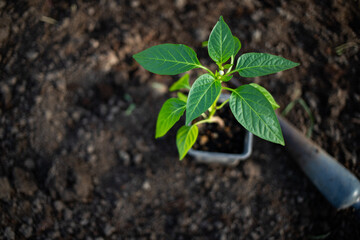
(338, 185)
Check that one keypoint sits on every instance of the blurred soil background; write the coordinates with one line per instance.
(78, 158)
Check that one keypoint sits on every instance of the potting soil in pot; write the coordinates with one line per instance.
(215, 138)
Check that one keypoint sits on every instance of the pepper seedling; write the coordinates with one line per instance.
(251, 104)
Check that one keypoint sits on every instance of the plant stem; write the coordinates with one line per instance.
(229, 89)
(203, 67)
(232, 62)
(208, 120)
(234, 71)
(212, 111)
(222, 105)
(213, 107)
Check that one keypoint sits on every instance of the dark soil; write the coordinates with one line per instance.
(229, 138)
(78, 158)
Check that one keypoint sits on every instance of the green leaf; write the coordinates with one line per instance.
(183, 82)
(221, 42)
(202, 95)
(204, 43)
(182, 97)
(168, 59)
(226, 78)
(268, 95)
(169, 114)
(254, 112)
(237, 45)
(260, 64)
(185, 139)
(227, 66)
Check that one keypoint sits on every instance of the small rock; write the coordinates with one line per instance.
(257, 35)
(90, 149)
(4, 27)
(159, 88)
(22, 122)
(29, 221)
(270, 212)
(91, 11)
(9, 233)
(257, 15)
(24, 182)
(219, 225)
(68, 214)
(203, 140)
(247, 212)
(103, 109)
(108, 60)
(70, 231)
(32, 55)
(29, 163)
(5, 189)
(76, 115)
(110, 118)
(180, 4)
(26, 230)
(59, 206)
(252, 170)
(138, 158)
(6, 92)
(14, 130)
(125, 157)
(255, 236)
(146, 185)
(55, 235)
(2, 4)
(21, 89)
(199, 179)
(193, 228)
(48, 115)
(142, 146)
(93, 159)
(84, 222)
(85, 218)
(223, 236)
(83, 186)
(201, 34)
(115, 109)
(109, 230)
(37, 205)
(135, 3)
(13, 81)
(215, 135)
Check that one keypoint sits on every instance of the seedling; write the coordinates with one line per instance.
(251, 104)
